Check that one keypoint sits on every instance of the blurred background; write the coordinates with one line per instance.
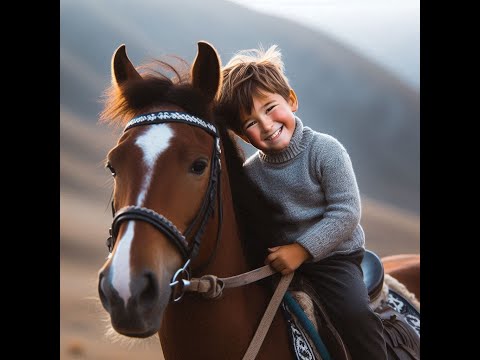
(354, 65)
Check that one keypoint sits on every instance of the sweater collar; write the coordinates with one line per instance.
(295, 147)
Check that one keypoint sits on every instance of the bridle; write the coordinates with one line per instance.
(187, 248)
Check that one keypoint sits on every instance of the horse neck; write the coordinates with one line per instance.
(210, 325)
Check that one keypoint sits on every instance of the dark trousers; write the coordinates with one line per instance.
(338, 281)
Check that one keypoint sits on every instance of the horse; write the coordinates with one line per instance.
(177, 182)
(406, 269)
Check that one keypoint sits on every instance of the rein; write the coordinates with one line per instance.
(210, 286)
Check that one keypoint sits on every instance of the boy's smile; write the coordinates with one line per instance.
(275, 135)
(271, 123)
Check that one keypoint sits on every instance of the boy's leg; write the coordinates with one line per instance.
(338, 281)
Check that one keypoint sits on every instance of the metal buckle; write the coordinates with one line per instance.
(179, 286)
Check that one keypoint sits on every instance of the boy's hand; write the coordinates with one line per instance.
(287, 258)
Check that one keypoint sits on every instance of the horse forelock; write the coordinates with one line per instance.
(162, 84)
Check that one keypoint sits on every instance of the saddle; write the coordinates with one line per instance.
(399, 316)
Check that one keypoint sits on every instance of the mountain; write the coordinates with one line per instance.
(373, 113)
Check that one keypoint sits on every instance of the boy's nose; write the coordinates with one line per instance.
(267, 124)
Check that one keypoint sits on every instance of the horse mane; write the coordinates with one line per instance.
(252, 210)
(157, 88)
(163, 83)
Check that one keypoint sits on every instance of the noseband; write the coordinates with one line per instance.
(188, 249)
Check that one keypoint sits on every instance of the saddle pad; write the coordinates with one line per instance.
(403, 306)
(299, 343)
(304, 347)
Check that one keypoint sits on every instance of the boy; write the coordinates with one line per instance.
(309, 176)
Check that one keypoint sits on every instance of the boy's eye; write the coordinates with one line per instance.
(250, 124)
(270, 108)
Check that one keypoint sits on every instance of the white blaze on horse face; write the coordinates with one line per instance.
(153, 143)
(121, 264)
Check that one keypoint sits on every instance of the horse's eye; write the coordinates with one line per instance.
(110, 167)
(198, 167)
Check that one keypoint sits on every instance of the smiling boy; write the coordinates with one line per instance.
(309, 176)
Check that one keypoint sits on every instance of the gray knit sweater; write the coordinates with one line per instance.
(313, 183)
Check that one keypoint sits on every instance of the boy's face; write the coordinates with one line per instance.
(271, 123)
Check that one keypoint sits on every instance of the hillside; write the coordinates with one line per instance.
(374, 114)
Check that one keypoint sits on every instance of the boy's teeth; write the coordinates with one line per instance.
(274, 134)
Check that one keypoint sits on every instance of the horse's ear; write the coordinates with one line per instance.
(122, 68)
(206, 70)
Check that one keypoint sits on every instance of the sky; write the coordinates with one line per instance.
(385, 31)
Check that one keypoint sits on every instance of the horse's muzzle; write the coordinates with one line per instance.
(142, 314)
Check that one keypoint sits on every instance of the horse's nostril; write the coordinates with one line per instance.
(149, 290)
(101, 291)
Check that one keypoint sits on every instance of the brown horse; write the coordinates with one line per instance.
(406, 269)
(178, 180)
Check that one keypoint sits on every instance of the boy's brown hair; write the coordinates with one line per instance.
(247, 74)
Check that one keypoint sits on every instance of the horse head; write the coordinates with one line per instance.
(166, 167)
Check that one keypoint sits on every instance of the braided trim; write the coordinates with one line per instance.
(160, 218)
(171, 115)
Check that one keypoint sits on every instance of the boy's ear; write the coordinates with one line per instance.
(293, 101)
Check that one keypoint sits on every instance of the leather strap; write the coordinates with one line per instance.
(267, 319)
(211, 286)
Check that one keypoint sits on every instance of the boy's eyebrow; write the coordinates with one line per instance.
(267, 104)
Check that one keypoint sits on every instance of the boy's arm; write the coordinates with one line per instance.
(335, 173)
